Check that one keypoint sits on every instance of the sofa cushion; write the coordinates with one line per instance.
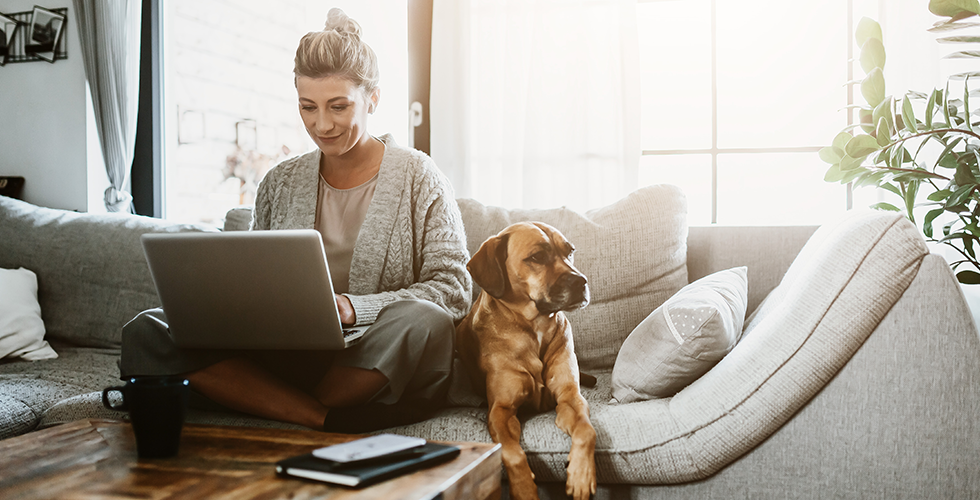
(92, 276)
(835, 294)
(238, 219)
(21, 326)
(39, 385)
(634, 253)
(16, 417)
(682, 339)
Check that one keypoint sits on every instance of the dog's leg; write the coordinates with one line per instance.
(573, 418)
(505, 394)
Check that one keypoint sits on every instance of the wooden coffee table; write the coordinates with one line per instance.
(97, 459)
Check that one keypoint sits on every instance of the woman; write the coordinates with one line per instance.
(396, 251)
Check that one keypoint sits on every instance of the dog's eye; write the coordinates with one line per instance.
(538, 258)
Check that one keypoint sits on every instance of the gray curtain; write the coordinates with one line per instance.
(110, 34)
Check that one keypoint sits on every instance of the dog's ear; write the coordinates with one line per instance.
(488, 266)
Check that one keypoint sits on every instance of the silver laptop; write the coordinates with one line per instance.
(247, 290)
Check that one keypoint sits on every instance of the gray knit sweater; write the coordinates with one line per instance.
(412, 243)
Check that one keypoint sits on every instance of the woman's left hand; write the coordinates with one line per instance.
(346, 310)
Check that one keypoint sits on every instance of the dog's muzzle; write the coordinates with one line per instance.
(569, 292)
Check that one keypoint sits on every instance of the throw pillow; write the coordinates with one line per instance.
(21, 327)
(682, 339)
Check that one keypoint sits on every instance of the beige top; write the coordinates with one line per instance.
(339, 216)
(412, 244)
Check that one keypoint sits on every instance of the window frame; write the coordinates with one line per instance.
(715, 151)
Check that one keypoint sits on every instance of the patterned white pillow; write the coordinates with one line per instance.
(682, 339)
(21, 326)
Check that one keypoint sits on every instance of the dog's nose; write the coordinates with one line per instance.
(573, 281)
(577, 281)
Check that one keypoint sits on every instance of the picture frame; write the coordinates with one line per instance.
(8, 30)
(44, 33)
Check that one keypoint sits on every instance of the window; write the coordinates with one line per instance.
(229, 104)
(738, 98)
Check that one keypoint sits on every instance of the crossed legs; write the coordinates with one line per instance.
(242, 385)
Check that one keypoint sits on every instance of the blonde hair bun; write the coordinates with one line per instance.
(337, 20)
(338, 50)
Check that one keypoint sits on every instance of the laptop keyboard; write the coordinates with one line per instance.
(348, 333)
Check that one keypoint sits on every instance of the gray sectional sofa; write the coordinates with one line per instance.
(857, 376)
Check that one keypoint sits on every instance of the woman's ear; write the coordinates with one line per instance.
(374, 97)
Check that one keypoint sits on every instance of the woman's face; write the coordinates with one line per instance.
(335, 112)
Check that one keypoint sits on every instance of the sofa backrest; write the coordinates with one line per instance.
(767, 252)
(634, 253)
(92, 276)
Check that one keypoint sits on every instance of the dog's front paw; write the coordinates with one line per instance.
(581, 481)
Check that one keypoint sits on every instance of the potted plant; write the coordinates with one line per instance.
(922, 147)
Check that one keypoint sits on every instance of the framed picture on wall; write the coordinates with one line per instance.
(8, 29)
(44, 33)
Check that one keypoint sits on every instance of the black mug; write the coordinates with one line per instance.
(156, 406)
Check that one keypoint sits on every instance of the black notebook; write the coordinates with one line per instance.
(366, 472)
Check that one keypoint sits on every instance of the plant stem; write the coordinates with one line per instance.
(936, 131)
(906, 170)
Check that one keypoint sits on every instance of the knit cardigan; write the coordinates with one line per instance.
(412, 244)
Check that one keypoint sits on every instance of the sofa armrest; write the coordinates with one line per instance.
(900, 418)
(767, 251)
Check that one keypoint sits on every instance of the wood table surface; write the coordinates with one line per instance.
(92, 459)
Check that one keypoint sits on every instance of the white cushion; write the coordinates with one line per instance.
(21, 326)
(682, 339)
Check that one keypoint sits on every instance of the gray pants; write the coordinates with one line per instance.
(411, 343)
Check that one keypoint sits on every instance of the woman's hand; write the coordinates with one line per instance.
(346, 310)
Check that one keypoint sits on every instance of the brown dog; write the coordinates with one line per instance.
(517, 346)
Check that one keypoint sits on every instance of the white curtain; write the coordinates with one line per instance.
(110, 36)
(535, 103)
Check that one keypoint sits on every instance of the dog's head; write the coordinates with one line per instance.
(530, 261)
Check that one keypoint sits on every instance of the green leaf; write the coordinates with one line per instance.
(882, 134)
(949, 226)
(908, 116)
(966, 104)
(840, 141)
(866, 117)
(873, 87)
(940, 195)
(852, 174)
(910, 194)
(830, 155)
(963, 54)
(849, 163)
(964, 175)
(949, 123)
(931, 107)
(869, 178)
(959, 39)
(948, 159)
(927, 221)
(884, 110)
(867, 28)
(833, 174)
(885, 206)
(891, 188)
(944, 26)
(960, 195)
(872, 55)
(968, 277)
(860, 146)
(952, 8)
